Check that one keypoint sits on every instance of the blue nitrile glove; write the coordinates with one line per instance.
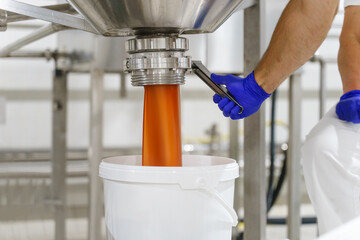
(348, 108)
(245, 90)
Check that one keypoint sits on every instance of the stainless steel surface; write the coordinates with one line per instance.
(158, 68)
(32, 37)
(157, 44)
(157, 60)
(64, 8)
(96, 154)
(138, 17)
(254, 142)
(3, 20)
(204, 74)
(46, 14)
(58, 160)
(293, 166)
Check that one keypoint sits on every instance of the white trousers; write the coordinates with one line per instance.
(331, 164)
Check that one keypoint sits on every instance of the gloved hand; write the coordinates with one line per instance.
(348, 108)
(245, 90)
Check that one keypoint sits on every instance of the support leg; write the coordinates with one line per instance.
(293, 167)
(95, 155)
(234, 154)
(58, 154)
(254, 143)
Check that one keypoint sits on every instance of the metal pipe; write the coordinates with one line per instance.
(293, 166)
(32, 37)
(317, 58)
(34, 175)
(64, 8)
(3, 20)
(34, 169)
(25, 25)
(334, 36)
(59, 152)
(234, 151)
(234, 144)
(47, 15)
(123, 90)
(322, 89)
(96, 154)
(46, 54)
(44, 155)
(322, 95)
(254, 142)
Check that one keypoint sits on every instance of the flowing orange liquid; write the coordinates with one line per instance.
(161, 130)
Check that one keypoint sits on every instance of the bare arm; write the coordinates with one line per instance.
(349, 53)
(302, 27)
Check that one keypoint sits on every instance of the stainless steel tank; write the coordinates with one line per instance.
(139, 17)
(157, 53)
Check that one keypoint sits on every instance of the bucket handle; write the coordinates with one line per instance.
(230, 210)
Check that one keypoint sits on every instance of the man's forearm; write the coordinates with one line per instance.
(302, 28)
(349, 52)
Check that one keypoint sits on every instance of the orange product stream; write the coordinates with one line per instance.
(161, 126)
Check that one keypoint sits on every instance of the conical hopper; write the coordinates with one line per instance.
(136, 17)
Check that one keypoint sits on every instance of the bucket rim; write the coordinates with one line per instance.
(218, 169)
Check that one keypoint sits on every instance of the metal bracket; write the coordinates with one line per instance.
(64, 8)
(46, 14)
(34, 36)
(247, 4)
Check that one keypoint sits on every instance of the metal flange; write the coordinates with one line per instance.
(157, 44)
(157, 60)
(157, 63)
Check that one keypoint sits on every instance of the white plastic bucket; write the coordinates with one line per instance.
(194, 201)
